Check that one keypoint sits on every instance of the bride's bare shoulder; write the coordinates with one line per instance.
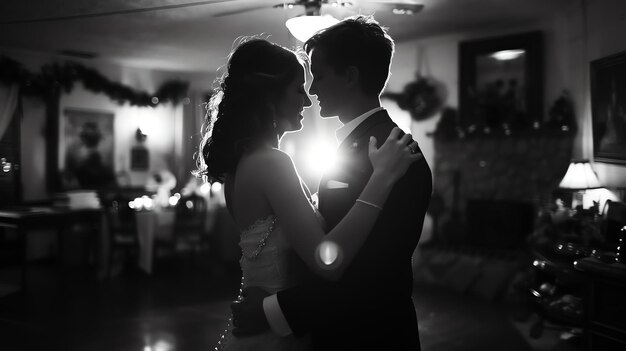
(266, 161)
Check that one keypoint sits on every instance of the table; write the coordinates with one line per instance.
(25, 218)
(558, 289)
(605, 317)
(153, 225)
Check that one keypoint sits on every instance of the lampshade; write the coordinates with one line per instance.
(580, 176)
(303, 27)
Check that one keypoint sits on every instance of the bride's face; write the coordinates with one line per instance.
(291, 105)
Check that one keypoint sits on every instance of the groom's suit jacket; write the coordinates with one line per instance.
(371, 306)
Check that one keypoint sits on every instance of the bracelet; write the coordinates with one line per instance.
(370, 204)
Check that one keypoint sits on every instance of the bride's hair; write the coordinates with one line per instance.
(240, 114)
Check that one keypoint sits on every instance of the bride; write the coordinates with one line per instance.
(261, 97)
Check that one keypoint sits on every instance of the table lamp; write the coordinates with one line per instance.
(579, 177)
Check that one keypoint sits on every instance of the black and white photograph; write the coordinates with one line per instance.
(312, 175)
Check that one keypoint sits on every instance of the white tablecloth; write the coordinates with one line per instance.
(151, 225)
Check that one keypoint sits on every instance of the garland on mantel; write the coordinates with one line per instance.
(54, 77)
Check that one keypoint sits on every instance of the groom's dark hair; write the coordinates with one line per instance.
(358, 41)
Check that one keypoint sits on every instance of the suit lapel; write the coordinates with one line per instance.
(362, 129)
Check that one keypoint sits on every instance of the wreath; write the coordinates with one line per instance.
(421, 98)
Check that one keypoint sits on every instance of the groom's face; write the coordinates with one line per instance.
(327, 85)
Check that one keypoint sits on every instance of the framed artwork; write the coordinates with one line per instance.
(501, 81)
(608, 108)
(139, 158)
(86, 149)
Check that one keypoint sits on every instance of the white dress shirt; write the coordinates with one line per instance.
(345, 130)
(273, 313)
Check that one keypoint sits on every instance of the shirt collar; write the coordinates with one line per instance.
(343, 132)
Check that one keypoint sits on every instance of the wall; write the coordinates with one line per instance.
(582, 32)
(573, 38)
(606, 22)
(436, 58)
(163, 123)
(158, 123)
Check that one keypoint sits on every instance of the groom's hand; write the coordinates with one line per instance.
(248, 315)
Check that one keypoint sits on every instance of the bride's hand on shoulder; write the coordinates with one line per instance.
(395, 156)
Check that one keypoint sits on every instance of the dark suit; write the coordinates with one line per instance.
(371, 306)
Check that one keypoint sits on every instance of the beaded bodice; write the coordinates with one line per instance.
(267, 261)
(267, 258)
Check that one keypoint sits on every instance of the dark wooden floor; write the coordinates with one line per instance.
(185, 307)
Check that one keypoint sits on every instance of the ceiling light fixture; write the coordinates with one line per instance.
(406, 9)
(505, 55)
(303, 27)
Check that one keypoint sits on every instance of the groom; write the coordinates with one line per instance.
(371, 306)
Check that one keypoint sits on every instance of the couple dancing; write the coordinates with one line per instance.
(335, 276)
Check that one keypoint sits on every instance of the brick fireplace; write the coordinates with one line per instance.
(486, 195)
(490, 186)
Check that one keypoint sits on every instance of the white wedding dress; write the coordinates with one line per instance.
(270, 263)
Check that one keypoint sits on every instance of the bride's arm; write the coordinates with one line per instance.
(286, 196)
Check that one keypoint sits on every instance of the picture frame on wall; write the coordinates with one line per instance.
(86, 149)
(501, 81)
(139, 158)
(608, 108)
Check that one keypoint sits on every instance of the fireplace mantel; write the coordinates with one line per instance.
(517, 168)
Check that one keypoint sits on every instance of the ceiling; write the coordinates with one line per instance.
(194, 35)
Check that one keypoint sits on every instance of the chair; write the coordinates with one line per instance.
(562, 292)
(122, 230)
(614, 220)
(189, 230)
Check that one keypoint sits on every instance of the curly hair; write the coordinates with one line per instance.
(240, 113)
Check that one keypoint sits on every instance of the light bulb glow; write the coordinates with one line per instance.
(303, 27)
(146, 202)
(328, 255)
(328, 252)
(173, 200)
(321, 157)
(505, 55)
(205, 188)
